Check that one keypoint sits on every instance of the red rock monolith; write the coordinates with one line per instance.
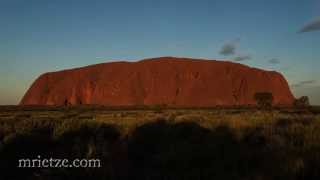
(166, 80)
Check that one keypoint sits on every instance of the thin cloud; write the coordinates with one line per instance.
(304, 83)
(313, 25)
(242, 58)
(274, 61)
(229, 48)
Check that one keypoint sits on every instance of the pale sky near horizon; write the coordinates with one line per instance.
(38, 36)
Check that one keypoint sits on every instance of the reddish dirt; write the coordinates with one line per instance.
(165, 80)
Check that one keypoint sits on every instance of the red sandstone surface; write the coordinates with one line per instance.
(165, 80)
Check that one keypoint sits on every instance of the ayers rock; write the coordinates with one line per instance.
(166, 80)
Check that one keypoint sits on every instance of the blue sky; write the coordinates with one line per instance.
(37, 36)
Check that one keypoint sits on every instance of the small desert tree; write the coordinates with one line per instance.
(264, 99)
(302, 102)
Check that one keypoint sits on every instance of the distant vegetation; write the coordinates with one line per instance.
(302, 102)
(164, 143)
(264, 99)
